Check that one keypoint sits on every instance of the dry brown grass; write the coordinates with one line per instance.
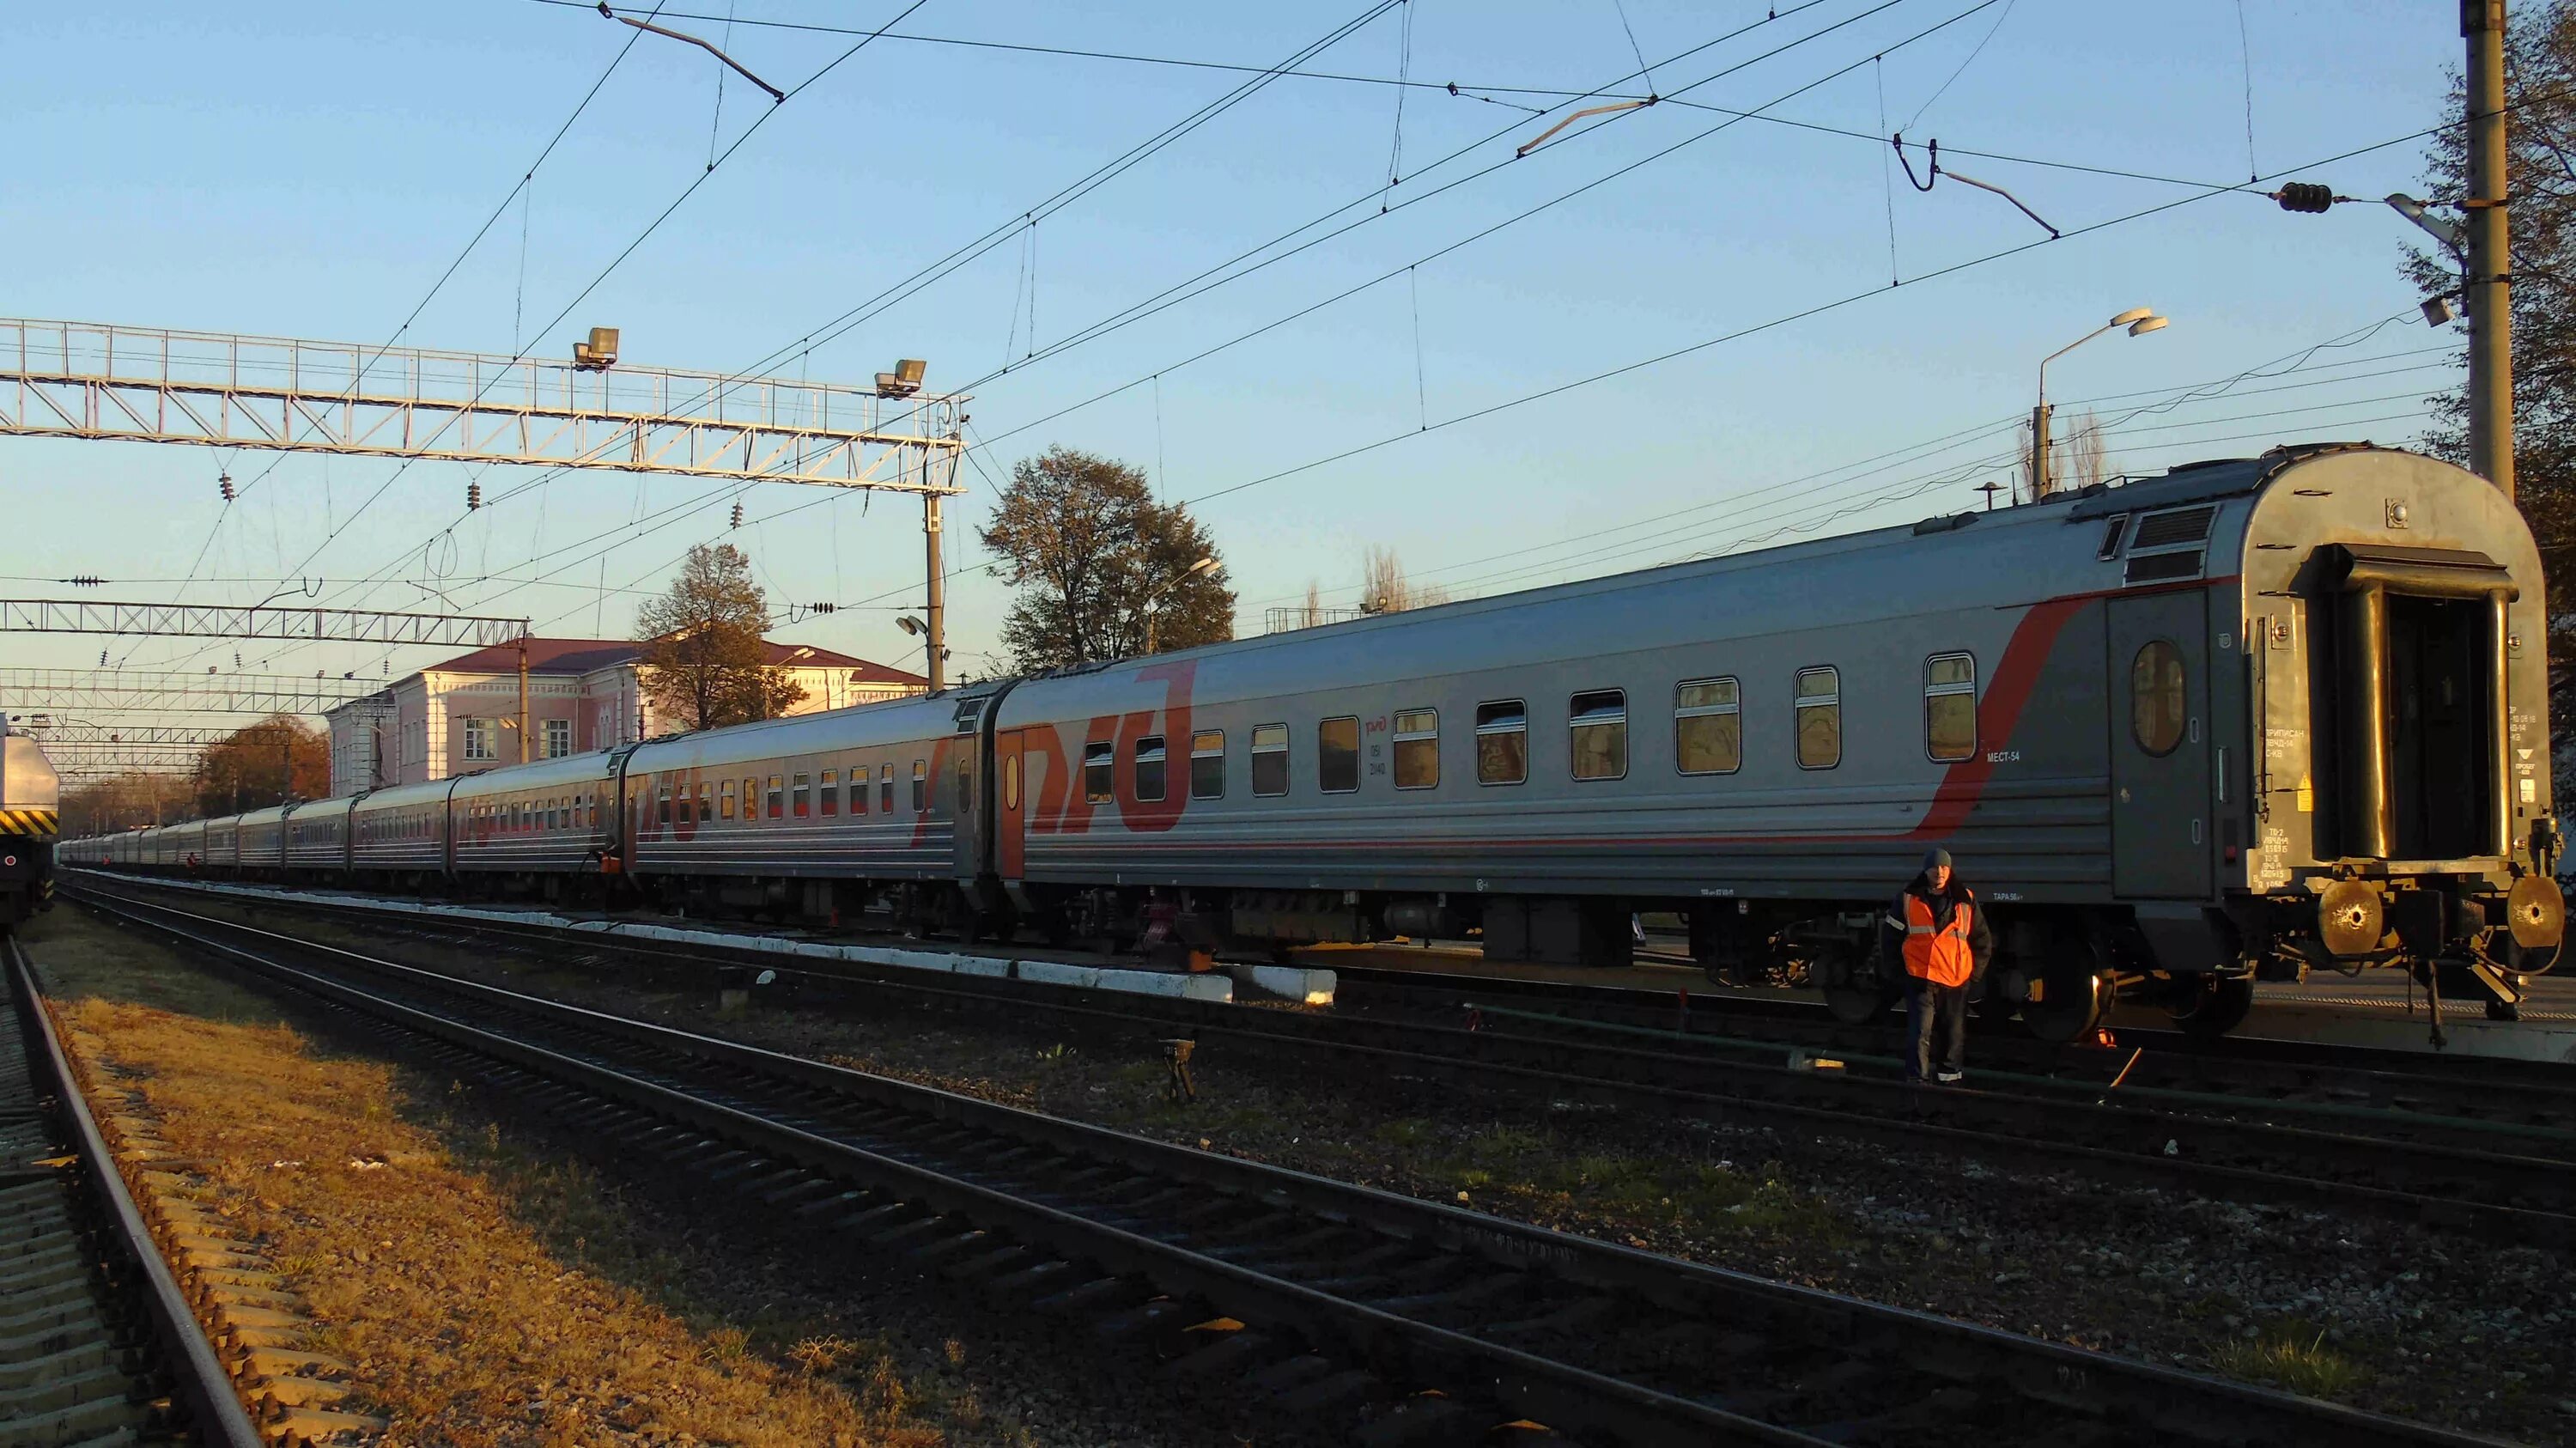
(487, 1299)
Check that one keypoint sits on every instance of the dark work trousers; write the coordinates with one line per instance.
(1936, 1022)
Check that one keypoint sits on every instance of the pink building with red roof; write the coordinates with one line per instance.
(584, 695)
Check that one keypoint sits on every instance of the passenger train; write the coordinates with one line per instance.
(2243, 721)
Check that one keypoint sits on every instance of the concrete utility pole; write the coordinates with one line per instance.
(523, 698)
(934, 613)
(2489, 288)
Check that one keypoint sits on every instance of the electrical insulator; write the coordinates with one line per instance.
(473, 496)
(224, 485)
(86, 580)
(2304, 196)
(821, 607)
(737, 515)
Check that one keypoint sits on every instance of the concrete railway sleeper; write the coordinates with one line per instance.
(2492, 1182)
(98, 1342)
(1421, 1321)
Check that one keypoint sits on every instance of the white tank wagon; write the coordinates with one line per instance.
(30, 824)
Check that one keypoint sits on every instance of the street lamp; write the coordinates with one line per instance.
(2140, 321)
(1156, 597)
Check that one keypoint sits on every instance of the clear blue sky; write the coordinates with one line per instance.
(308, 170)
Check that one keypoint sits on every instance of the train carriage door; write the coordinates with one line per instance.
(1010, 804)
(2160, 745)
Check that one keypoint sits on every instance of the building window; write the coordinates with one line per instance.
(1598, 722)
(1337, 755)
(1502, 742)
(1708, 727)
(558, 738)
(478, 738)
(1417, 748)
(1149, 767)
(800, 794)
(777, 797)
(885, 789)
(829, 800)
(724, 801)
(920, 786)
(1820, 719)
(1207, 764)
(1098, 759)
(1950, 706)
(1270, 759)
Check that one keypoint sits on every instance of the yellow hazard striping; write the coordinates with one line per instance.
(42, 823)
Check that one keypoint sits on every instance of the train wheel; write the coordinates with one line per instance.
(2209, 1006)
(2073, 999)
(1852, 988)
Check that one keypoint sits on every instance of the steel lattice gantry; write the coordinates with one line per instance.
(151, 384)
(84, 733)
(97, 691)
(214, 621)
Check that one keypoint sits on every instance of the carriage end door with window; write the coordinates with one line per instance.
(1010, 804)
(2160, 745)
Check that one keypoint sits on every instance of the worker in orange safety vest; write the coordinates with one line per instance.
(1936, 935)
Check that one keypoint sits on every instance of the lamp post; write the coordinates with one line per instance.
(2140, 321)
(1155, 598)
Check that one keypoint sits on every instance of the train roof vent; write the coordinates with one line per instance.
(2163, 567)
(2181, 525)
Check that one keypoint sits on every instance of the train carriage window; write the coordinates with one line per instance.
(800, 793)
(2159, 697)
(1149, 767)
(1417, 748)
(750, 800)
(965, 805)
(1708, 727)
(1598, 723)
(1502, 742)
(1950, 706)
(858, 789)
(920, 786)
(724, 800)
(706, 806)
(1820, 718)
(828, 800)
(1270, 759)
(1337, 755)
(664, 809)
(1098, 758)
(777, 797)
(1207, 764)
(885, 789)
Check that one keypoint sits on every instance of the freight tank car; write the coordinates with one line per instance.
(30, 822)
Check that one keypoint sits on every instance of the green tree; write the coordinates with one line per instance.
(706, 654)
(1089, 549)
(2540, 165)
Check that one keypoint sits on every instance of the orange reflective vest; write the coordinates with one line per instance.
(1939, 954)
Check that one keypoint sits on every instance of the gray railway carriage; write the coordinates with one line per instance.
(2249, 718)
(815, 813)
(260, 843)
(399, 836)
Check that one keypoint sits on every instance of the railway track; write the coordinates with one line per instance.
(98, 1344)
(1401, 1320)
(2501, 1180)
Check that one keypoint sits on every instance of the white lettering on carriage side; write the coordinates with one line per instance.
(1720, 892)
(2003, 756)
(2005, 895)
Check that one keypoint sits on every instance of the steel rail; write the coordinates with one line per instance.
(2156, 1402)
(200, 1381)
(2407, 1181)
